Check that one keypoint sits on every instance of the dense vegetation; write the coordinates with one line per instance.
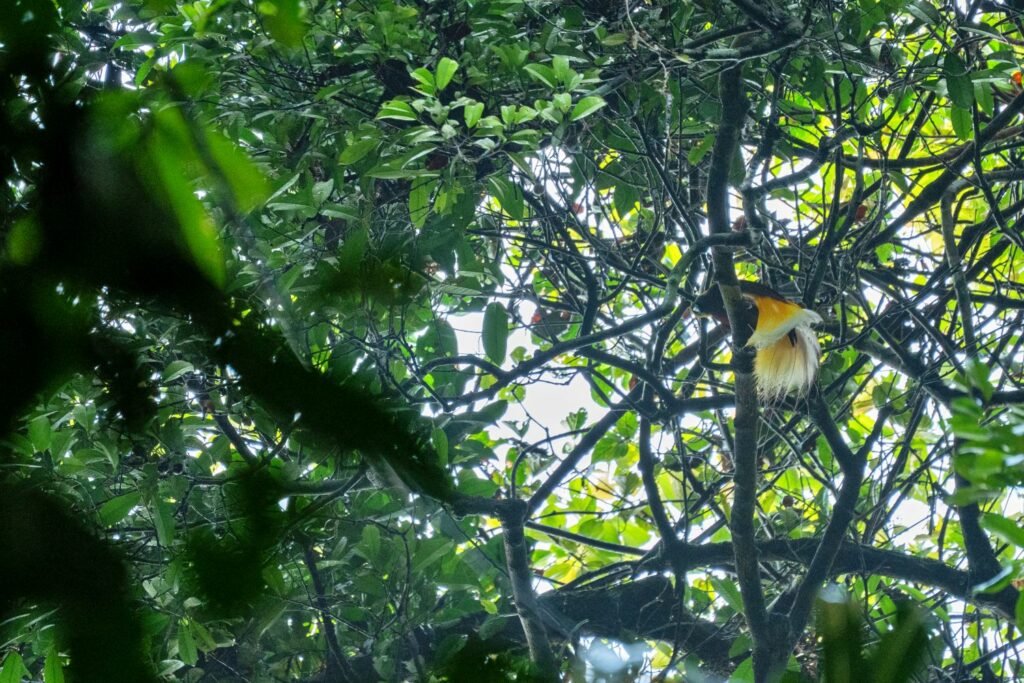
(349, 341)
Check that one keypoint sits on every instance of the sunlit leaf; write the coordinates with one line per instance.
(446, 68)
(586, 107)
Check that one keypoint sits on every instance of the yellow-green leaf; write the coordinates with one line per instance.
(472, 112)
(542, 73)
(53, 669)
(197, 229)
(14, 669)
(397, 109)
(419, 201)
(586, 107)
(446, 68)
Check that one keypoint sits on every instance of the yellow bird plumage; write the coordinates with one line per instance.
(787, 348)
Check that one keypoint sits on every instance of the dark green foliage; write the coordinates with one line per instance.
(52, 558)
(305, 305)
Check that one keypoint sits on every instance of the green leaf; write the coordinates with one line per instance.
(491, 413)
(586, 107)
(331, 210)
(625, 198)
(447, 341)
(284, 186)
(387, 172)
(983, 96)
(542, 73)
(1008, 530)
(740, 646)
(925, 11)
(14, 669)
(248, 185)
(700, 150)
(168, 666)
(284, 20)
(963, 124)
(446, 68)
(116, 509)
(495, 332)
(426, 79)
(186, 644)
(472, 113)
(457, 290)
(353, 250)
(146, 67)
(53, 669)
(440, 442)
(203, 635)
(163, 520)
(419, 201)
(197, 229)
(40, 433)
(176, 369)
(24, 240)
(1018, 612)
(356, 151)
(371, 541)
(563, 72)
(135, 39)
(958, 81)
(738, 169)
(839, 626)
(329, 91)
(508, 114)
(979, 377)
(397, 109)
(493, 625)
(997, 582)
(730, 593)
(509, 196)
(901, 651)
(744, 673)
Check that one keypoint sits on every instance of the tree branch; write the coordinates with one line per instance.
(734, 108)
(933, 192)
(520, 576)
(338, 667)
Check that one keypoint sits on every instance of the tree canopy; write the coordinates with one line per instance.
(351, 341)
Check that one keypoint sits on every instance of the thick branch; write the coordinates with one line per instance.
(853, 558)
(734, 108)
(521, 576)
(843, 513)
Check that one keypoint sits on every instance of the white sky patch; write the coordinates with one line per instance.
(546, 401)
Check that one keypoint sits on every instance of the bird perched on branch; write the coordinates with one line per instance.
(780, 329)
